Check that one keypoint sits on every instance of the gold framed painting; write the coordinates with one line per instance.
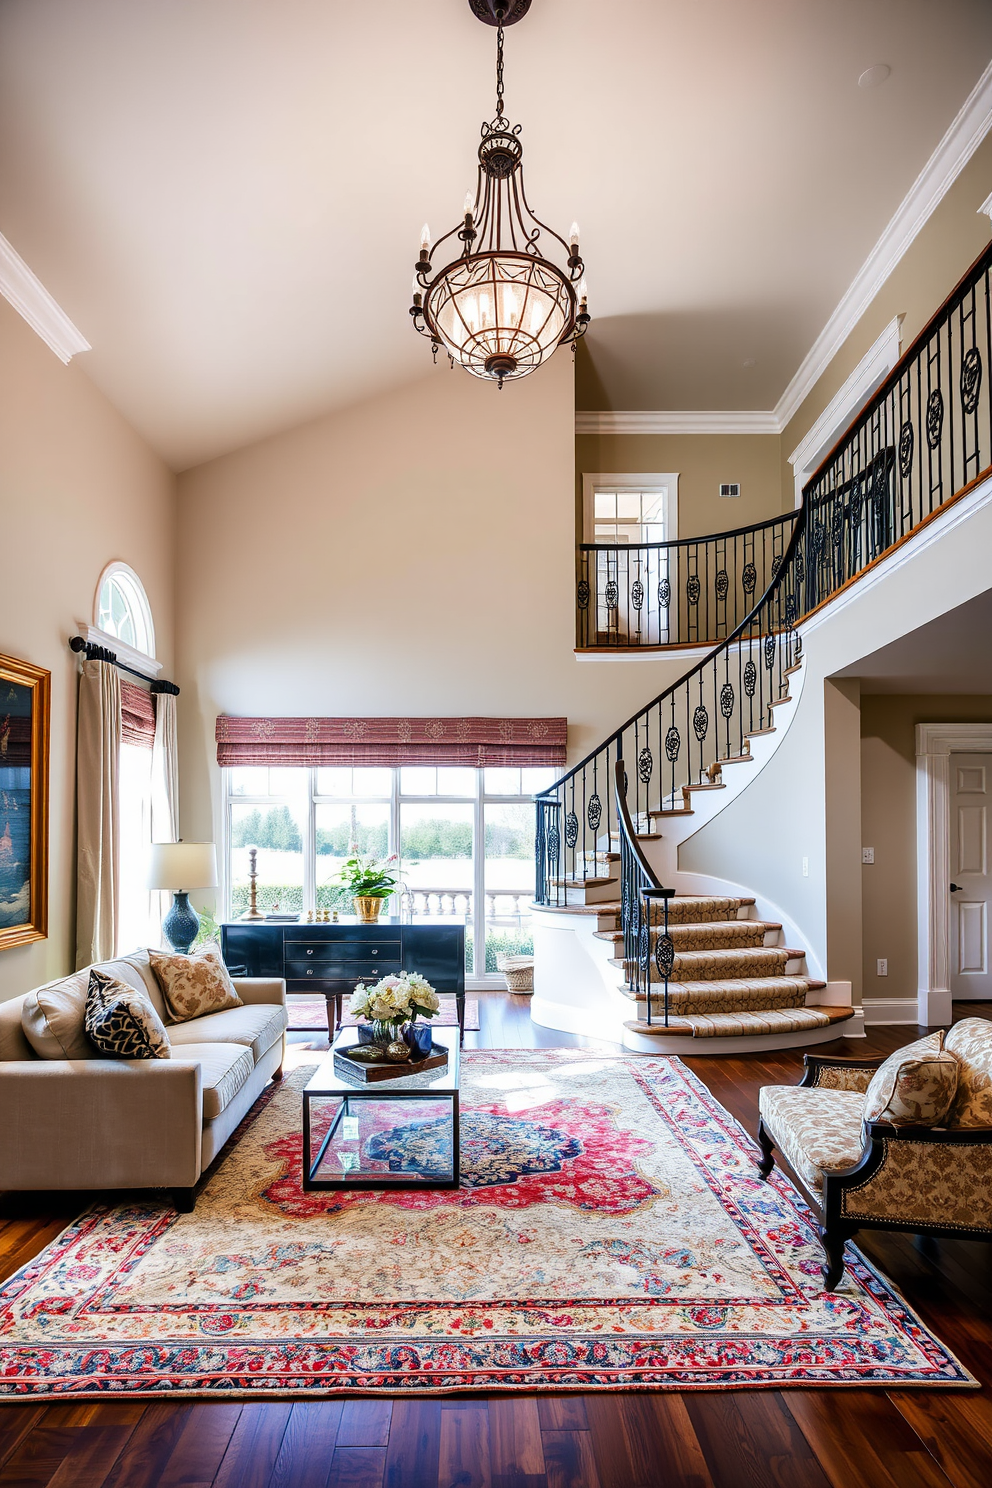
(25, 723)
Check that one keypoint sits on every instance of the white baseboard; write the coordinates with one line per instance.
(891, 1010)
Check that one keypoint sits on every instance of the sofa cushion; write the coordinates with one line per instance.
(225, 1068)
(915, 1086)
(815, 1130)
(970, 1041)
(52, 1018)
(121, 1021)
(194, 985)
(259, 1025)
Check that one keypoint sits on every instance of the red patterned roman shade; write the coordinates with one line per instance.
(137, 716)
(391, 741)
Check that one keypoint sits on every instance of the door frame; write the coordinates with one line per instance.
(935, 743)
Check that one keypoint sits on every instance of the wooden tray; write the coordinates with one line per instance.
(373, 1074)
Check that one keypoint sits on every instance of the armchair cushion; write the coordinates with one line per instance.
(970, 1041)
(915, 1086)
(258, 1026)
(816, 1130)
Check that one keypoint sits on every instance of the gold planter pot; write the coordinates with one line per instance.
(368, 907)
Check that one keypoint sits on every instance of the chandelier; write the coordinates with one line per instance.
(500, 308)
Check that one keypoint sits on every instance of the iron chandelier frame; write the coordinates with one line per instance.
(500, 308)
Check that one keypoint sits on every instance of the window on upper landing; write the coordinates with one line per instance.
(122, 609)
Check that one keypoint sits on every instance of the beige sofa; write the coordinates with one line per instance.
(96, 1123)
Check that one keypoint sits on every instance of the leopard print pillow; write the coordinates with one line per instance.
(194, 985)
(121, 1022)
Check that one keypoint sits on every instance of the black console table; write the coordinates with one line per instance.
(333, 958)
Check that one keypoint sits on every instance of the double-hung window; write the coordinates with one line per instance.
(463, 838)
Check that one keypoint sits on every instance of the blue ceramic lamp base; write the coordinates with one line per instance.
(182, 924)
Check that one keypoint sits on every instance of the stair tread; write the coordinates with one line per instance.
(673, 811)
(601, 907)
(756, 733)
(777, 702)
(690, 1024)
(756, 927)
(733, 986)
(583, 883)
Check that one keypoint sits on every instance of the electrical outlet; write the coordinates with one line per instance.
(805, 867)
(882, 966)
(867, 855)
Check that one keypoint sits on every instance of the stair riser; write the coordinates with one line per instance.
(724, 966)
(593, 893)
(699, 1003)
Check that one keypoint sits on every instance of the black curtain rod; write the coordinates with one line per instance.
(100, 653)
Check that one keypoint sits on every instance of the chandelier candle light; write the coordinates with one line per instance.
(500, 308)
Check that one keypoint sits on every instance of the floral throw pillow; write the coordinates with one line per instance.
(121, 1022)
(915, 1086)
(194, 985)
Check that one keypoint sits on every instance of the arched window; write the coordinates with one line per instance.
(122, 608)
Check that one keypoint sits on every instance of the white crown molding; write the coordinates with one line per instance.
(985, 210)
(677, 421)
(872, 370)
(31, 299)
(973, 122)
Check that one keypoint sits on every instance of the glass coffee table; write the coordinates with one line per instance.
(397, 1133)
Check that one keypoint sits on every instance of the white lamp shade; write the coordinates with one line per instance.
(182, 865)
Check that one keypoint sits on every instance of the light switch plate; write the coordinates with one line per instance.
(867, 855)
(883, 966)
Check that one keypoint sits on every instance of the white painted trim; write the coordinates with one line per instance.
(985, 210)
(935, 743)
(677, 421)
(632, 480)
(892, 1010)
(125, 653)
(965, 134)
(872, 370)
(31, 300)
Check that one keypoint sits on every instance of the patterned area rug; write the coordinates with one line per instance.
(610, 1232)
(306, 1013)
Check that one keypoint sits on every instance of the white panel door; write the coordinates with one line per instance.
(971, 881)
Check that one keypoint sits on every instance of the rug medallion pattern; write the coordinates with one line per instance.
(610, 1232)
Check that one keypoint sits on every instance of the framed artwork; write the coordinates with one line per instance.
(25, 720)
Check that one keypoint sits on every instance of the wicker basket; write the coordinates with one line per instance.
(518, 972)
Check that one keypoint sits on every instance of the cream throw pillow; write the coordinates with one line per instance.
(194, 985)
(122, 1022)
(915, 1086)
(52, 1018)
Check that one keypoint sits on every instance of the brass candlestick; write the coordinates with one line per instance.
(253, 912)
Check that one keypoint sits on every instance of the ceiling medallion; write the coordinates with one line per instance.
(500, 308)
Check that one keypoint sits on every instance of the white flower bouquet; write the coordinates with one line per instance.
(394, 1001)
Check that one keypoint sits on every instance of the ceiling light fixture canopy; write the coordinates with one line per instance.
(500, 308)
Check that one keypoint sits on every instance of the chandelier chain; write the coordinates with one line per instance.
(499, 65)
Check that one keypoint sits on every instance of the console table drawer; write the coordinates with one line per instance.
(302, 951)
(355, 971)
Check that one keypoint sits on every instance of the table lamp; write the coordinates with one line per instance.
(181, 866)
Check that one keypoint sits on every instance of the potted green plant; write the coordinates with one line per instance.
(370, 883)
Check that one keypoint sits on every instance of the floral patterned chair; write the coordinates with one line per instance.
(903, 1143)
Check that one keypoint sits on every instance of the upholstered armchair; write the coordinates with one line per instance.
(894, 1168)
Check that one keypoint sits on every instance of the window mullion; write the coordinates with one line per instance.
(310, 846)
(479, 880)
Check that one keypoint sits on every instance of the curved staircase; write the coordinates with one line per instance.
(608, 831)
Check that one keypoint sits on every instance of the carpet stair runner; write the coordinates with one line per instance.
(730, 977)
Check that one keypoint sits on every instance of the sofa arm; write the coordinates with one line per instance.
(838, 1074)
(100, 1123)
(913, 1176)
(261, 989)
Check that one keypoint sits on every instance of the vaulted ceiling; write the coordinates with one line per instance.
(226, 195)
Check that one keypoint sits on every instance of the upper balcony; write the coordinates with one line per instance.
(694, 591)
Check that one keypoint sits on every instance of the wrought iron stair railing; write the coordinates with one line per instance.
(687, 592)
(923, 439)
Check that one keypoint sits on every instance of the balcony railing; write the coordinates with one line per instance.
(683, 593)
(923, 440)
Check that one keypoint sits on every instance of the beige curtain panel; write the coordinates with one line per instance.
(98, 754)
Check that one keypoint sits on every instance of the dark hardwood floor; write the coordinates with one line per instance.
(709, 1439)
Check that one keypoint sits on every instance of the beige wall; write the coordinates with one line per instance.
(78, 488)
(888, 824)
(952, 239)
(411, 555)
(703, 462)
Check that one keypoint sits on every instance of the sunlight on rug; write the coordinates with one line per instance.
(610, 1232)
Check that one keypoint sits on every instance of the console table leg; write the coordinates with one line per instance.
(460, 1008)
